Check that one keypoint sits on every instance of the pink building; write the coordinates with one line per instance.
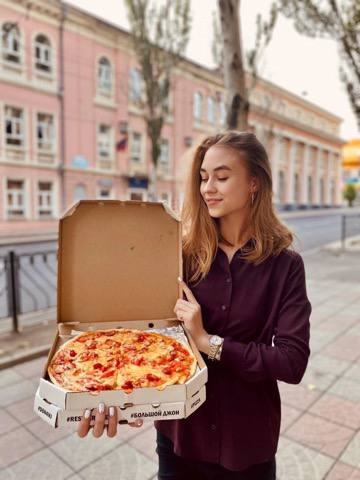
(71, 126)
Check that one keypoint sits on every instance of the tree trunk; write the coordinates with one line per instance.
(234, 73)
(152, 187)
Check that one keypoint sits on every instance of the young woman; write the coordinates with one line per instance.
(247, 310)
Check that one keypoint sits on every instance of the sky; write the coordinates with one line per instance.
(305, 66)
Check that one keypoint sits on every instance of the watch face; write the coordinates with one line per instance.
(215, 340)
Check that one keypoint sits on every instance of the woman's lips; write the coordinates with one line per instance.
(213, 202)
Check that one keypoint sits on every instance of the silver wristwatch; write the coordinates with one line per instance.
(215, 344)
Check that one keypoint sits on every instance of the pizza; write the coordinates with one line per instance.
(121, 359)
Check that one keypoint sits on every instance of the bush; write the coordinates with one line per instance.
(349, 193)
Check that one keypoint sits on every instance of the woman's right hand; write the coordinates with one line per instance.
(99, 425)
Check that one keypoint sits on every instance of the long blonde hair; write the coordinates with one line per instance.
(202, 233)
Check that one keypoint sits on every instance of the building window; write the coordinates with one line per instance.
(222, 111)
(211, 110)
(15, 192)
(197, 106)
(43, 54)
(135, 151)
(137, 195)
(104, 75)
(164, 159)
(104, 141)
(14, 127)
(45, 132)
(104, 193)
(45, 199)
(11, 45)
(79, 192)
(135, 85)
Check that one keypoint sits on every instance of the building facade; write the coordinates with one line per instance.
(72, 127)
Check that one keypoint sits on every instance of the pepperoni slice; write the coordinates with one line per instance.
(128, 385)
(139, 361)
(110, 333)
(82, 339)
(168, 370)
(92, 345)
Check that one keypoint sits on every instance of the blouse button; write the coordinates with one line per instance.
(228, 280)
(223, 307)
(213, 427)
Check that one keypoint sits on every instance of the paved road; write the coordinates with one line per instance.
(38, 272)
(313, 232)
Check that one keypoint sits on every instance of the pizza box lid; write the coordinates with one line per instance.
(118, 260)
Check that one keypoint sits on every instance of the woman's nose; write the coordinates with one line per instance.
(209, 186)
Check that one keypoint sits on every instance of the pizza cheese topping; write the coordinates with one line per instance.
(121, 359)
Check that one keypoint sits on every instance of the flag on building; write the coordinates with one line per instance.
(122, 144)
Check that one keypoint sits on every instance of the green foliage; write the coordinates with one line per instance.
(160, 32)
(349, 193)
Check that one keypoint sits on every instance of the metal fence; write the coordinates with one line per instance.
(350, 226)
(27, 283)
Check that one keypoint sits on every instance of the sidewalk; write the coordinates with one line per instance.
(320, 417)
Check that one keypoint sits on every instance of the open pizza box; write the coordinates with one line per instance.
(118, 264)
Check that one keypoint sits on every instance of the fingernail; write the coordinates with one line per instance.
(87, 413)
(180, 279)
(101, 407)
(111, 411)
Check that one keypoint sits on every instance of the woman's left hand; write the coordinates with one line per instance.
(189, 312)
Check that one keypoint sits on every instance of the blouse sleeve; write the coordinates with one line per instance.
(287, 359)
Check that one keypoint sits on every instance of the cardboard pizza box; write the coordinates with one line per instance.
(57, 417)
(118, 263)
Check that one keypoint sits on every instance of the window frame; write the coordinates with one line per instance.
(198, 100)
(14, 121)
(50, 215)
(24, 194)
(43, 47)
(210, 110)
(107, 88)
(140, 152)
(5, 50)
(110, 145)
(135, 81)
(52, 142)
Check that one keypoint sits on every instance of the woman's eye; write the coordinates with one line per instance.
(221, 179)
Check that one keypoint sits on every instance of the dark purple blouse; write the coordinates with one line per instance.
(263, 313)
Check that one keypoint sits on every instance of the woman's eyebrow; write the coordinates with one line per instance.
(222, 167)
